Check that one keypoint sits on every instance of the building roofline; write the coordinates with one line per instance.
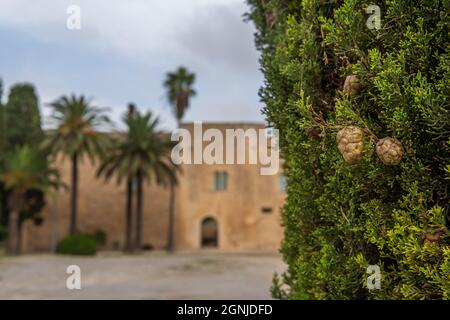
(233, 123)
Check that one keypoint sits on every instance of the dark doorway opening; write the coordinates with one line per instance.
(210, 233)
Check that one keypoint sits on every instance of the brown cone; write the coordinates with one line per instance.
(432, 236)
(350, 142)
(390, 151)
(351, 85)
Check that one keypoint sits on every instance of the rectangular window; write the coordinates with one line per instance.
(220, 180)
(282, 182)
(266, 210)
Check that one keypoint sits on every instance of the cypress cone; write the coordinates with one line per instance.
(390, 151)
(351, 85)
(350, 142)
(432, 236)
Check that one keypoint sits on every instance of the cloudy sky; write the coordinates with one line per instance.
(125, 47)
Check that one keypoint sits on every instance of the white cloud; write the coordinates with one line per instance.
(139, 28)
(146, 38)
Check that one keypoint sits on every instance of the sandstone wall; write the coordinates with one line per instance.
(238, 211)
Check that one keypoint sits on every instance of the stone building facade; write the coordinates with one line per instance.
(228, 206)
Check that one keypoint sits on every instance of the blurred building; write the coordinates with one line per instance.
(228, 206)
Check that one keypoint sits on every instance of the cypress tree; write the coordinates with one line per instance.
(2, 126)
(362, 104)
(22, 118)
(20, 125)
(2, 155)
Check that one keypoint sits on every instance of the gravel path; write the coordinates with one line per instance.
(156, 275)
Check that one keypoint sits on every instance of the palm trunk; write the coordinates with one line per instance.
(129, 213)
(19, 237)
(138, 243)
(171, 232)
(171, 226)
(15, 203)
(12, 246)
(74, 194)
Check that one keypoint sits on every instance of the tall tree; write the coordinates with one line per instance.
(179, 91)
(77, 134)
(2, 155)
(362, 104)
(179, 87)
(1, 90)
(26, 169)
(2, 126)
(129, 181)
(143, 155)
(20, 125)
(22, 117)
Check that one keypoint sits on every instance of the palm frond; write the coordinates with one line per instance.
(179, 90)
(145, 149)
(77, 127)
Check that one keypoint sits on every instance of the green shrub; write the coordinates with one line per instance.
(100, 237)
(341, 218)
(78, 244)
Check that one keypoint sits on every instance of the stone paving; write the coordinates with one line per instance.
(155, 275)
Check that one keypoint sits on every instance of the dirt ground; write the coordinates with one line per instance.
(155, 275)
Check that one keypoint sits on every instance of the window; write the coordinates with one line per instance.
(266, 210)
(282, 182)
(220, 180)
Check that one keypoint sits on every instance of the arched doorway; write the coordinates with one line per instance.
(209, 233)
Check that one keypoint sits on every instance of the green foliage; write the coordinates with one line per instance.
(77, 244)
(27, 169)
(2, 126)
(145, 149)
(26, 178)
(179, 90)
(34, 203)
(21, 117)
(340, 218)
(1, 90)
(100, 237)
(144, 153)
(20, 126)
(2, 156)
(78, 124)
(76, 135)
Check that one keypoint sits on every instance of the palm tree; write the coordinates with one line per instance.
(76, 135)
(179, 91)
(129, 184)
(26, 169)
(144, 154)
